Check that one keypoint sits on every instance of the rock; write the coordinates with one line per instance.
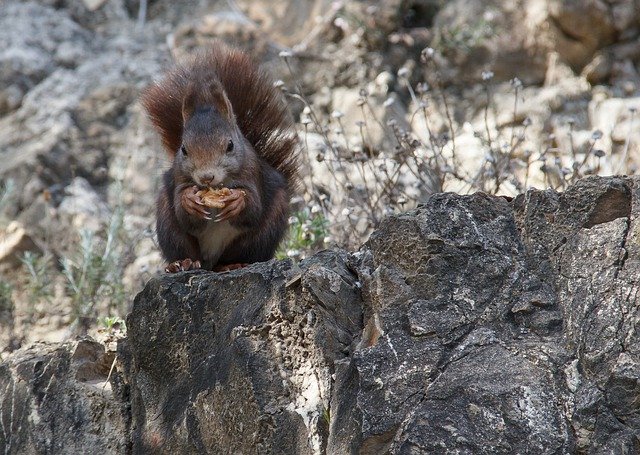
(598, 69)
(289, 22)
(419, 277)
(142, 269)
(80, 120)
(14, 242)
(27, 58)
(626, 17)
(469, 34)
(579, 29)
(381, 110)
(50, 133)
(272, 346)
(84, 205)
(617, 118)
(625, 76)
(93, 5)
(232, 27)
(470, 324)
(422, 269)
(96, 15)
(54, 400)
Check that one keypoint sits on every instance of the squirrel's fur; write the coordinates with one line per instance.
(196, 107)
(260, 111)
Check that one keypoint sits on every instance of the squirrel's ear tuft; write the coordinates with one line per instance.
(199, 96)
(220, 101)
(189, 102)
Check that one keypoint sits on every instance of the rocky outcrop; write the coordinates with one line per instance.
(242, 361)
(513, 38)
(55, 398)
(75, 147)
(500, 327)
(472, 324)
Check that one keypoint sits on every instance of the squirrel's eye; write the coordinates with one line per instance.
(183, 149)
(230, 145)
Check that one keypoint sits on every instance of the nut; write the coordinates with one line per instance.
(213, 197)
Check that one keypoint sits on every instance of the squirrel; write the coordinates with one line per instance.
(223, 123)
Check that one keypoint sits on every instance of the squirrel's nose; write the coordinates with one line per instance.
(208, 179)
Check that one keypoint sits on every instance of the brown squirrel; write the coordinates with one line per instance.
(224, 124)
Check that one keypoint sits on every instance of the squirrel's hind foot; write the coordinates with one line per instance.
(182, 266)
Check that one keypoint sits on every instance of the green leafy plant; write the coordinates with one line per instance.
(308, 232)
(326, 415)
(39, 279)
(94, 273)
(112, 322)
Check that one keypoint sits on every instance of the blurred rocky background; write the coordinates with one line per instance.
(394, 99)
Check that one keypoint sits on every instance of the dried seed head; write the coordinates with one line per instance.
(341, 23)
(422, 87)
(427, 54)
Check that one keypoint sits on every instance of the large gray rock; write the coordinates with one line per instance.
(53, 399)
(472, 324)
(76, 118)
(515, 37)
(240, 363)
(497, 327)
(34, 41)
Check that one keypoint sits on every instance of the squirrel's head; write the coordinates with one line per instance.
(213, 148)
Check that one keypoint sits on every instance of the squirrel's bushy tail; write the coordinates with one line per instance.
(259, 107)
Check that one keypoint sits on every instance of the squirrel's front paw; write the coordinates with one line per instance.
(182, 266)
(192, 203)
(233, 205)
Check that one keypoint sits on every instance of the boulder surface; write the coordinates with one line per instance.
(472, 324)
